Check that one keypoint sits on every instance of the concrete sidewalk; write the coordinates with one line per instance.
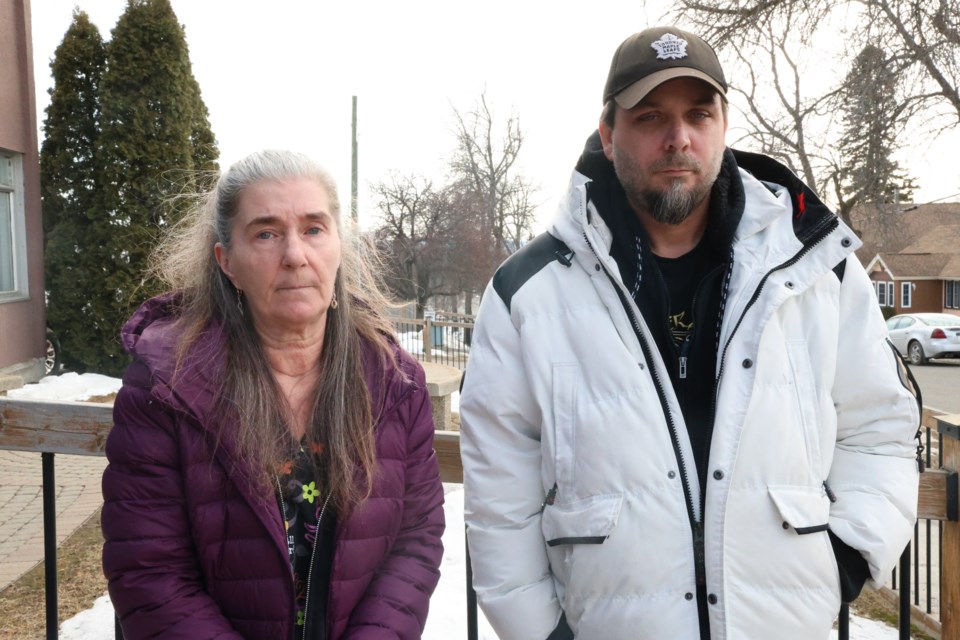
(21, 505)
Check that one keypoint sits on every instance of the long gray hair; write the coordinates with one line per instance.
(250, 401)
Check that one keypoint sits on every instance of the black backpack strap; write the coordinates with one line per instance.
(910, 384)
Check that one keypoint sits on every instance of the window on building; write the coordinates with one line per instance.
(882, 293)
(13, 246)
(951, 294)
(906, 294)
(890, 297)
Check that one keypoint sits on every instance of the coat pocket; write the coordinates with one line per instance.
(564, 423)
(808, 403)
(806, 509)
(587, 521)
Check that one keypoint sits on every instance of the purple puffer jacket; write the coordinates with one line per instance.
(193, 551)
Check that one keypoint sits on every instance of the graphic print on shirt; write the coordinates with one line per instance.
(301, 511)
(680, 328)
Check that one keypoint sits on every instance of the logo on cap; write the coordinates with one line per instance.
(670, 47)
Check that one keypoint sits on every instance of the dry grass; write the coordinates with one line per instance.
(109, 398)
(81, 581)
(871, 605)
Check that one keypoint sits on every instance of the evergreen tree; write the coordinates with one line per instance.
(154, 137)
(69, 184)
(872, 120)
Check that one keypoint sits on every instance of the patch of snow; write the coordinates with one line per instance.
(96, 623)
(867, 629)
(68, 387)
(448, 606)
(452, 338)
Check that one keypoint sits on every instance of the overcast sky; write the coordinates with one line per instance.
(281, 73)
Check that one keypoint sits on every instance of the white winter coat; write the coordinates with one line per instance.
(558, 391)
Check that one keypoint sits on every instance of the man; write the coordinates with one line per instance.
(681, 418)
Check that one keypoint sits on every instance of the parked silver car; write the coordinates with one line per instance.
(921, 336)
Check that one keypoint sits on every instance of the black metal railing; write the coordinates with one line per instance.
(52, 428)
(430, 340)
(50, 584)
(913, 580)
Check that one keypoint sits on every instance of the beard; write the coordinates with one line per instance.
(674, 204)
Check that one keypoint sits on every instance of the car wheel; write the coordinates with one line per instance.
(51, 363)
(915, 351)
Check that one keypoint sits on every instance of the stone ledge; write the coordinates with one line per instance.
(442, 380)
(8, 382)
(25, 372)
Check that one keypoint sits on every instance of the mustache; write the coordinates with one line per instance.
(677, 161)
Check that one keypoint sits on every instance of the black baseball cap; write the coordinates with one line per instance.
(647, 59)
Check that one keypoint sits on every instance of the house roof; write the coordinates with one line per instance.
(917, 265)
(891, 229)
(913, 241)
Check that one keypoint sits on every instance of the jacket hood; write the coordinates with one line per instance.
(139, 333)
(151, 336)
(810, 214)
(726, 198)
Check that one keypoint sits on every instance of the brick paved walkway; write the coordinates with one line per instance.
(21, 505)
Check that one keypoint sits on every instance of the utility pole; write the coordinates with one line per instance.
(353, 172)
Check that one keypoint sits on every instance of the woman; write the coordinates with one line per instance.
(271, 465)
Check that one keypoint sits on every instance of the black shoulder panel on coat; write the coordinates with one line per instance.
(840, 269)
(526, 262)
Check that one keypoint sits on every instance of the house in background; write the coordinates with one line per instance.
(22, 308)
(914, 258)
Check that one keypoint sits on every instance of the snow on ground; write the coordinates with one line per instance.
(68, 387)
(448, 606)
(867, 629)
(412, 341)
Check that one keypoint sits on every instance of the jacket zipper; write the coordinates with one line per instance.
(684, 350)
(313, 553)
(283, 519)
(694, 510)
(658, 384)
(696, 525)
(816, 236)
(313, 556)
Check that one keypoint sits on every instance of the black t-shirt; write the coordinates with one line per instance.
(681, 276)
(687, 342)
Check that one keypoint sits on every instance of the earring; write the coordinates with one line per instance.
(334, 305)
(240, 300)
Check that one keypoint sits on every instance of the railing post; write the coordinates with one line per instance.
(949, 428)
(427, 339)
(843, 622)
(50, 544)
(473, 632)
(903, 617)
